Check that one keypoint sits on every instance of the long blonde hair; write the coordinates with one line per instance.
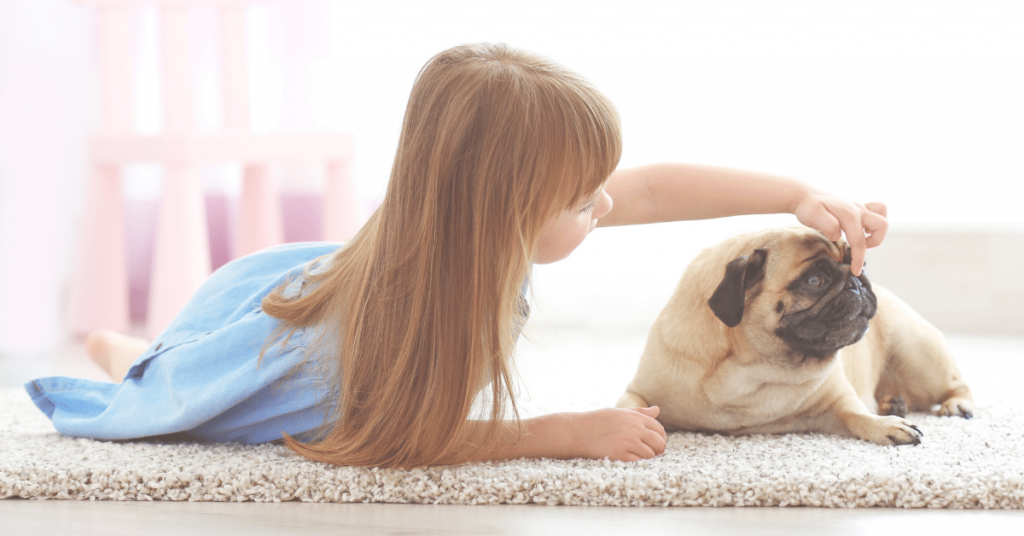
(421, 306)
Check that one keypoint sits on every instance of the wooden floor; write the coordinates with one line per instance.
(992, 366)
(200, 519)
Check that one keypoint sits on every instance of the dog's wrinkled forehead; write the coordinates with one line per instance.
(813, 246)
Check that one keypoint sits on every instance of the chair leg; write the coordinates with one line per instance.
(342, 213)
(259, 212)
(181, 257)
(99, 287)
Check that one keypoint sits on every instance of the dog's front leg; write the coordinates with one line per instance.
(629, 399)
(847, 415)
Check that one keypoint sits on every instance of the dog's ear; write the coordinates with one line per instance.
(740, 274)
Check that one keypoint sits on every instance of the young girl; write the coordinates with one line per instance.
(395, 349)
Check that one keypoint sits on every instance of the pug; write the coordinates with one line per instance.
(770, 333)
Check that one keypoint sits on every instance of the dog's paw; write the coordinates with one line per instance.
(889, 430)
(956, 407)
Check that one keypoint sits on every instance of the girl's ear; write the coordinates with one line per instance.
(740, 274)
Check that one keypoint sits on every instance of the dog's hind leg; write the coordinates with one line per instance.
(893, 405)
(931, 378)
(922, 368)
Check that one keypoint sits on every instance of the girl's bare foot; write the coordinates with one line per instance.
(114, 352)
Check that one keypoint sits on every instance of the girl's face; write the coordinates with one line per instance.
(563, 233)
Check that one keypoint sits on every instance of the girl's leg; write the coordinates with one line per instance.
(114, 352)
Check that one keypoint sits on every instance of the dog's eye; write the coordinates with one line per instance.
(816, 280)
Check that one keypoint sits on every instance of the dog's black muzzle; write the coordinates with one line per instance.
(840, 318)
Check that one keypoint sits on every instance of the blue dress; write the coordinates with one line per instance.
(201, 377)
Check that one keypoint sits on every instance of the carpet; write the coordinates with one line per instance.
(961, 464)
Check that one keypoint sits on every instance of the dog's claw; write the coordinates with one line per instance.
(957, 407)
(897, 443)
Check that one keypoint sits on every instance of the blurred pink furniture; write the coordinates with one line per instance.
(99, 296)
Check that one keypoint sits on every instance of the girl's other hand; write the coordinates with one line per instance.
(619, 434)
(864, 225)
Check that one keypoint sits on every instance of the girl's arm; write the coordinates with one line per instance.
(619, 434)
(674, 192)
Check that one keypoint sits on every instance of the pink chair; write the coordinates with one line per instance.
(99, 296)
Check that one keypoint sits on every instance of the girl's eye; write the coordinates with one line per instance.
(590, 207)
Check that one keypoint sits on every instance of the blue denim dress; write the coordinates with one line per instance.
(201, 377)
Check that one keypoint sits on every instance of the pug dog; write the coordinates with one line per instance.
(770, 333)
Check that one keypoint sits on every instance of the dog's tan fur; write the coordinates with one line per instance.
(707, 376)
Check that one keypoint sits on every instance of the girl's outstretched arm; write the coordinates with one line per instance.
(674, 192)
(618, 434)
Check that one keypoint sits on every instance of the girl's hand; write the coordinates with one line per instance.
(619, 434)
(864, 225)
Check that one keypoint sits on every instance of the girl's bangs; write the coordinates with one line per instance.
(594, 145)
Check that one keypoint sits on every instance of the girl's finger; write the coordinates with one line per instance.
(656, 427)
(644, 451)
(826, 222)
(877, 226)
(854, 229)
(655, 441)
(878, 208)
(651, 412)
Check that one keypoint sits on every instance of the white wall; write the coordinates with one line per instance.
(913, 103)
(917, 104)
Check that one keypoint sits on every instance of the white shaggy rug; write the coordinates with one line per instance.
(961, 464)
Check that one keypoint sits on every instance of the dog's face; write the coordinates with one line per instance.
(795, 297)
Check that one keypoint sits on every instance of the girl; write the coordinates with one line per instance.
(396, 348)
